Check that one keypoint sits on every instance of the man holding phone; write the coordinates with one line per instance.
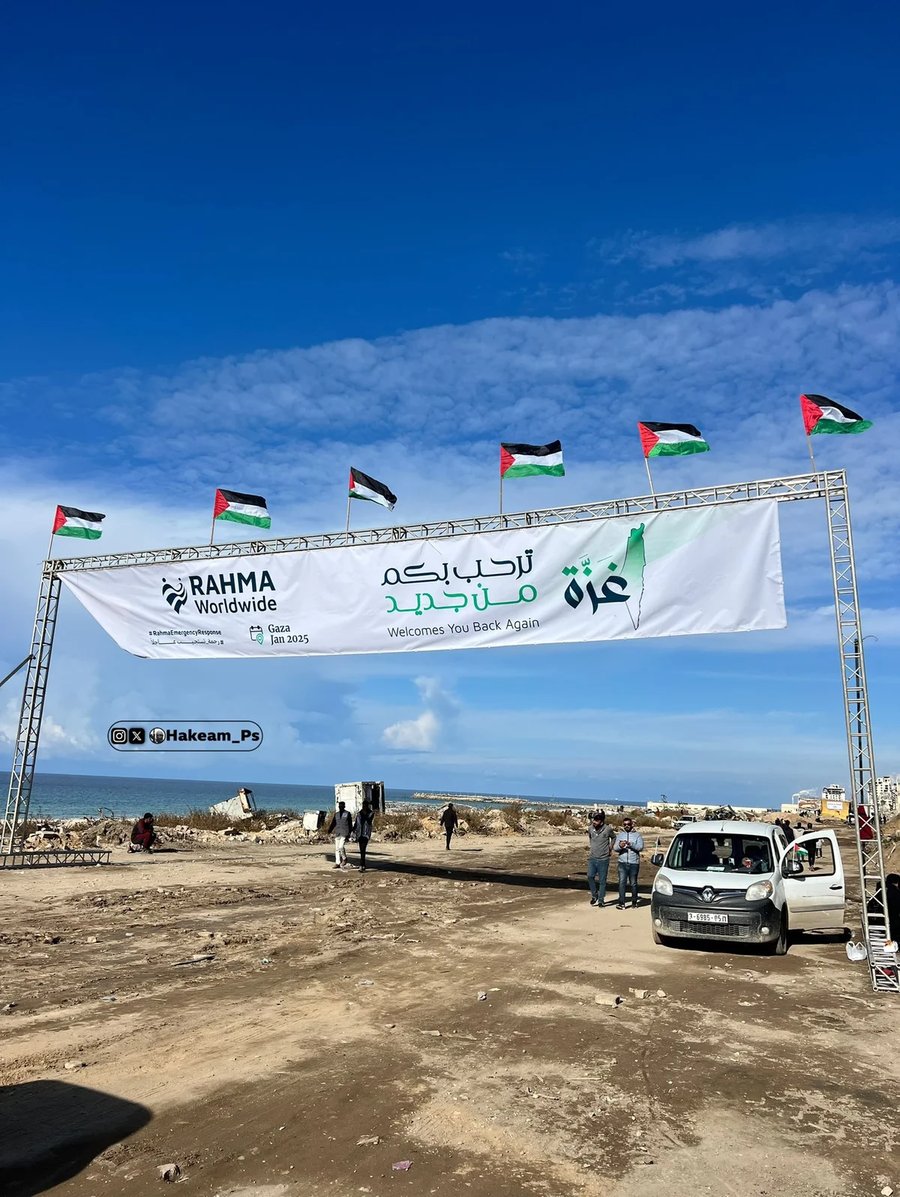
(629, 846)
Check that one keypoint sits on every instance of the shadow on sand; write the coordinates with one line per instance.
(499, 876)
(52, 1130)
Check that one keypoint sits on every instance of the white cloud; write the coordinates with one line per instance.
(425, 410)
(830, 240)
(421, 733)
(75, 737)
(417, 735)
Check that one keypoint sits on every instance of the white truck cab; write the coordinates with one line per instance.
(744, 882)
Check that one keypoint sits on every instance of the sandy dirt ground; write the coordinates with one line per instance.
(328, 1026)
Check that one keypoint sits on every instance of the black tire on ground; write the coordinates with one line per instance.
(780, 946)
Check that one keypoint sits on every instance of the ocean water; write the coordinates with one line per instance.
(73, 796)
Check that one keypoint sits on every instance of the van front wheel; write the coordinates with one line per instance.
(780, 946)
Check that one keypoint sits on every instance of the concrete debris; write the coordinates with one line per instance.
(437, 1034)
(661, 993)
(169, 1172)
(367, 1141)
(8, 1008)
(482, 995)
(887, 1191)
(71, 1065)
(640, 993)
(401, 1166)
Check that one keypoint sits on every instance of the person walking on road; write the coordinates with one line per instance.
(629, 846)
(449, 822)
(362, 833)
(341, 826)
(811, 847)
(600, 842)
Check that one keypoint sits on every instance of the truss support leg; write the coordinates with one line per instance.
(25, 754)
(883, 966)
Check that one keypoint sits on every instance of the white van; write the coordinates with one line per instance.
(744, 882)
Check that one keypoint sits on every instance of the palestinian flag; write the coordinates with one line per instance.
(670, 440)
(364, 487)
(242, 509)
(821, 414)
(70, 521)
(522, 461)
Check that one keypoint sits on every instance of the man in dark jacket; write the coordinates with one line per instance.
(449, 822)
(143, 837)
(362, 833)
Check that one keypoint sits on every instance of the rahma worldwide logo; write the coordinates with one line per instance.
(175, 596)
(234, 593)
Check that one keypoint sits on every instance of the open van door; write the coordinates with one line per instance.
(813, 878)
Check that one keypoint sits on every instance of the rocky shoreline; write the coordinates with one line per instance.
(402, 822)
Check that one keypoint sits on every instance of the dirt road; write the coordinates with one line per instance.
(318, 1008)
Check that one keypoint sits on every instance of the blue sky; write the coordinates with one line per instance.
(245, 246)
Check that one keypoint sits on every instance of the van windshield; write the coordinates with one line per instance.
(702, 852)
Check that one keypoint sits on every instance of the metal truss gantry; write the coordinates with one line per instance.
(830, 485)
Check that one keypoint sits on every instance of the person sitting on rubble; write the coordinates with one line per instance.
(143, 836)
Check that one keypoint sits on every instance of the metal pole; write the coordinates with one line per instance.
(501, 494)
(349, 497)
(883, 967)
(809, 446)
(13, 672)
(212, 530)
(649, 475)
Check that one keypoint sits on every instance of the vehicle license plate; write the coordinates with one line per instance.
(706, 916)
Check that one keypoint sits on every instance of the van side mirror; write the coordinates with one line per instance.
(657, 858)
(790, 867)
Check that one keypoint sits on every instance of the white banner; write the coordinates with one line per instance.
(716, 569)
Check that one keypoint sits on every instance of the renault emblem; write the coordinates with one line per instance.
(708, 894)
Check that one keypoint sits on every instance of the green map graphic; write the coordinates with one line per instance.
(624, 584)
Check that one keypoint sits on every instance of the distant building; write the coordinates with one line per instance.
(828, 803)
(887, 795)
(832, 802)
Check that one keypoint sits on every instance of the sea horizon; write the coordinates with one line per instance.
(96, 795)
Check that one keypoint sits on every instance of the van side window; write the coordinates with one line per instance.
(823, 862)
